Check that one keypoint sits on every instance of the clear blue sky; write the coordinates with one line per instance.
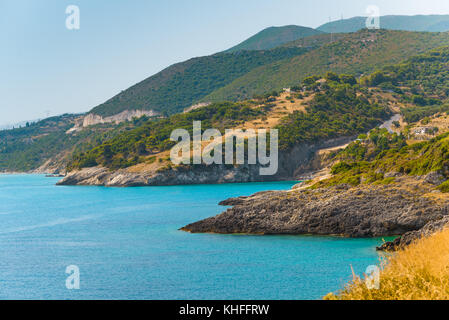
(48, 69)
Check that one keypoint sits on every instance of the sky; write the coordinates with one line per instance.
(47, 69)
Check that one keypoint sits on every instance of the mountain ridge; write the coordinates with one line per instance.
(354, 53)
(419, 23)
(185, 83)
(273, 37)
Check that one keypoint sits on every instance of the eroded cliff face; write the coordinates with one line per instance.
(55, 165)
(180, 175)
(363, 211)
(93, 119)
(292, 165)
(409, 237)
(304, 159)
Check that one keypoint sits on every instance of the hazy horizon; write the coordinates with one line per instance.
(50, 70)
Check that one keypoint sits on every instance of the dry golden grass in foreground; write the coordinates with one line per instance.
(419, 272)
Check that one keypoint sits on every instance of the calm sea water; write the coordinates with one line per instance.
(127, 245)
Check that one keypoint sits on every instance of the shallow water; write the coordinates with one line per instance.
(126, 244)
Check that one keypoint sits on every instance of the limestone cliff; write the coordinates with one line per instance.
(93, 119)
(292, 165)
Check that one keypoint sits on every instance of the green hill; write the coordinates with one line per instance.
(274, 37)
(356, 53)
(183, 84)
(393, 155)
(421, 80)
(315, 41)
(29, 147)
(430, 23)
(26, 148)
(337, 109)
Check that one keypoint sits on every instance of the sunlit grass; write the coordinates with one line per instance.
(418, 272)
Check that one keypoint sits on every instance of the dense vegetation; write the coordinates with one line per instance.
(183, 84)
(340, 106)
(315, 41)
(394, 157)
(273, 37)
(357, 53)
(370, 146)
(132, 147)
(338, 109)
(27, 148)
(416, 113)
(422, 80)
(239, 75)
(23, 149)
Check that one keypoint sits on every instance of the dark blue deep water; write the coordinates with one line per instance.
(127, 245)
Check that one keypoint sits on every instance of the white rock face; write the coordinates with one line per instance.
(92, 119)
(197, 106)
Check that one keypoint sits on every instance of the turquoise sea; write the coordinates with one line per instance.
(126, 244)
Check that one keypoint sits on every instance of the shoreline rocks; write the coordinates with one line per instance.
(410, 237)
(181, 175)
(364, 211)
(293, 163)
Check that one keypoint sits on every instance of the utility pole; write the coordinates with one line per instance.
(332, 38)
(332, 35)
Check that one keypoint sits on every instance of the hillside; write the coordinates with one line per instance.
(422, 79)
(357, 53)
(239, 74)
(430, 23)
(274, 37)
(317, 110)
(31, 147)
(25, 148)
(420, 82)
(183, 84)
(381, 184)
(45, 145)
(322, 113)
(315, 41)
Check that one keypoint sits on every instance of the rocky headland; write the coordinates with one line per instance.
(294, 164)
(408, 208)
(180, 175)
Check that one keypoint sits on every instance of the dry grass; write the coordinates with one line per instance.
(160, 160)
(419, 272)
(282, 108)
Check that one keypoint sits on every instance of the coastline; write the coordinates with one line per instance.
(141, 224)
(400, 237)
(360, 212)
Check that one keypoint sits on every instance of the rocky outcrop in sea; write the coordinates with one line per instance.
(364, 211)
